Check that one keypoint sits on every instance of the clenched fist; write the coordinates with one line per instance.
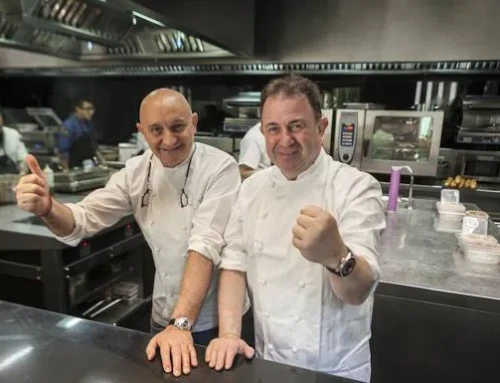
(32, 191)
(316, 236)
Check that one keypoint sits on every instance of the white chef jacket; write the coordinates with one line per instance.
(298, 318)
(13, 145)
(170, 231)
(253, 149)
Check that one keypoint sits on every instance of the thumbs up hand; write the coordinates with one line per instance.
(32, 191)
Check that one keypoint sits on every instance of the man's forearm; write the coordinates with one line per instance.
(60, 220)
(232, 288)
(354, 288)
(194, 286)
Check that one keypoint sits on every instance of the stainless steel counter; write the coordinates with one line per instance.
(418, 262)
(42, 346)
(20, 230)
(9, 214)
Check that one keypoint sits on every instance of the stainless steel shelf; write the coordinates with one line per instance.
(116, 314)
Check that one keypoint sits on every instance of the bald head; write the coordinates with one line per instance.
(168, 125)
(164, 98)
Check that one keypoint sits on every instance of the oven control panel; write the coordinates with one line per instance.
(347, 133)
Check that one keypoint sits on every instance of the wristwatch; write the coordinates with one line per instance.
(181, 323)
(347, 264)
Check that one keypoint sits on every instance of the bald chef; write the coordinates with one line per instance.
(304, 236)
(181, 195)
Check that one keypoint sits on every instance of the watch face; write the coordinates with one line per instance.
(183, 323)
(348, 267)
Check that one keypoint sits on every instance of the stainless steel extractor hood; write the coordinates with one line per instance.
(96, 30)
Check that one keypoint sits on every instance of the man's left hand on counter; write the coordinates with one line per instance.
(316, 236)
(177, 350)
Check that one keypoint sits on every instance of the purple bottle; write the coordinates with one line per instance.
(392, 203)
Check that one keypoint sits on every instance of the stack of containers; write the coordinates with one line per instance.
(450, 212)
(480, 248)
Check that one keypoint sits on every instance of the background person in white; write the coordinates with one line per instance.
(291, 223)
(253, 156)
(12, 150)
(184, 232)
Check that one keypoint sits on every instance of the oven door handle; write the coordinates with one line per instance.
(366, 146)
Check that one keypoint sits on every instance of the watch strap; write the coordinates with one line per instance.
(342, 270)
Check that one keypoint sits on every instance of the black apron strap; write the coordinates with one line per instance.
(81, 149)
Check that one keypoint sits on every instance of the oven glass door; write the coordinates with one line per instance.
(402, 138)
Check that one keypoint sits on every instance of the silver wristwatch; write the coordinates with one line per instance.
(181, 323)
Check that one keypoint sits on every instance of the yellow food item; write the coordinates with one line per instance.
(467, 183)
(473, 184)
(448, 182)
(462, 183)
(458, 179)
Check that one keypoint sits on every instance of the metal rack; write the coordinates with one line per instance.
(268, 68)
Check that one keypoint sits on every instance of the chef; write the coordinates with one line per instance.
(253, 156)
(76, 142)
(181, 195)
(12, 151)
(304, 235)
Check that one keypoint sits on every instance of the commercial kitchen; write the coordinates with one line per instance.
(411, 92)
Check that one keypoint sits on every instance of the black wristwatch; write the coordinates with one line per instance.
(347, 264)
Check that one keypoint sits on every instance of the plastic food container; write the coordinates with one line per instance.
(450, 211)
(8, 183)
(475, 221)
(477, 240)
(483, 254)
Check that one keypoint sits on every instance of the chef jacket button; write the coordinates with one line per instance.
(263, 282)
(294, 349)
(151, 222)
(302, 284)
(266, 314)
(296, 318)
(184, 228)
(264, 215)
(240, 219)
(158, 249)
(165, 275)
(270, 347)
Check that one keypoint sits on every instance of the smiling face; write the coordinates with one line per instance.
(168, 125)
(293, 133)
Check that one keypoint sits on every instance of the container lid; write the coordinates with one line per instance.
(477, 214)
(472, 239)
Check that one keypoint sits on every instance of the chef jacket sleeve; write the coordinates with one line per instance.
(212, 215)
(234, 255)
(362, 221)
(250, 152)
(20, 151)
(100, 209)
